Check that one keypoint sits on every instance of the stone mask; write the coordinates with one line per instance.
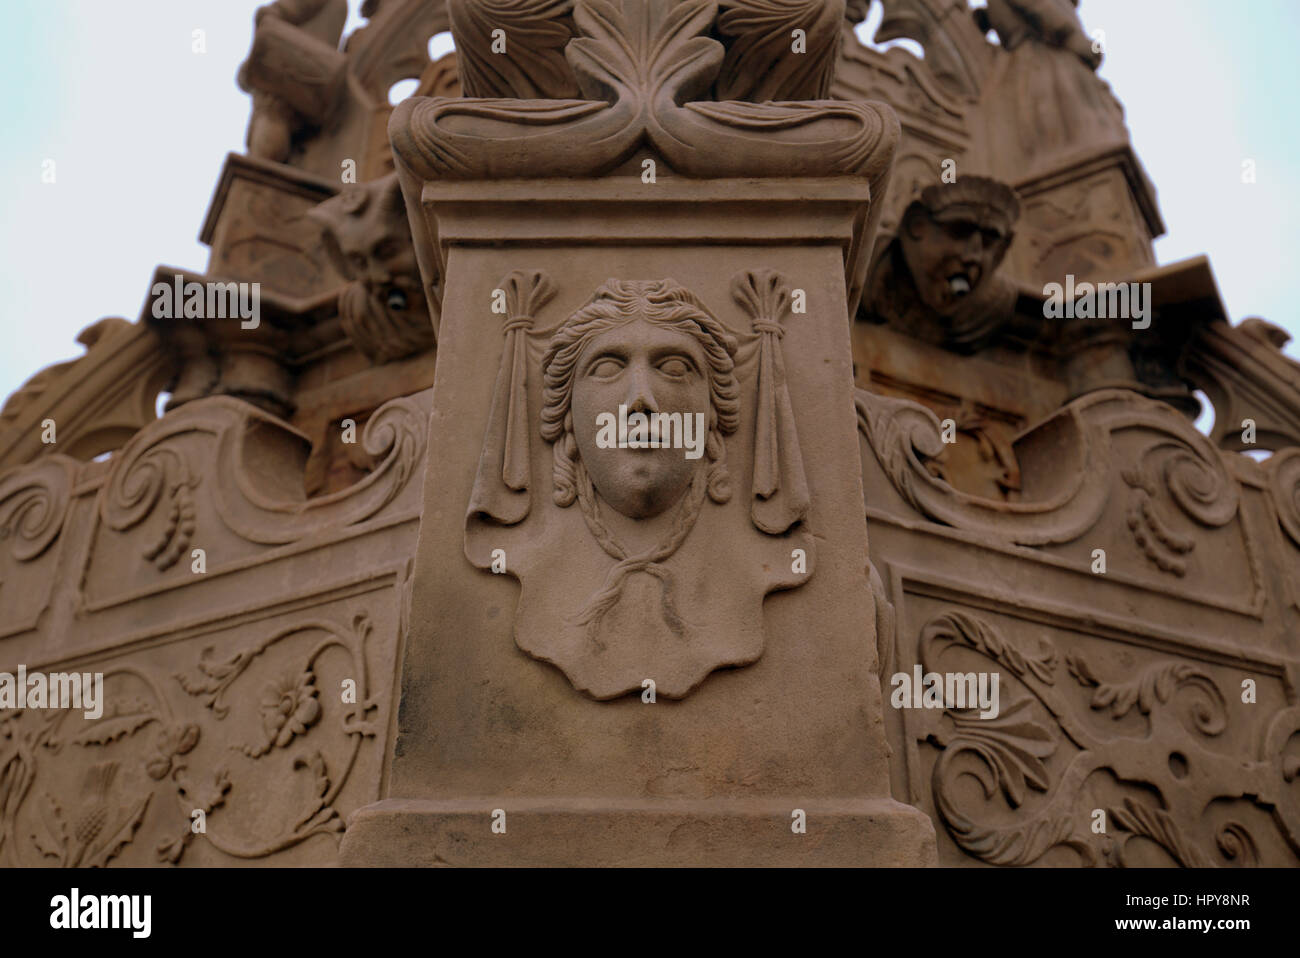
(646, 368)
(950, 255)
(651, 348)
(367, 237)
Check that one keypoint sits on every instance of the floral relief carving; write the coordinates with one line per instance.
(289, 706)
(1155, 686)
(93, 833)
(80, 792)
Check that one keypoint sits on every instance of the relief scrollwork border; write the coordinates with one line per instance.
(904, 435)
(288, 714)
(1183, 710)
(160, 480)
(1283, 472)
(94, 827)
(1073, 458)
(34, 502)
(1284, 484)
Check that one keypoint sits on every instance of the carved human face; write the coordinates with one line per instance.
(647, 368)
(949, 259)
(385, 262)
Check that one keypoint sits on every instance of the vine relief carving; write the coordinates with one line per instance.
(1038, 760)
(77, 791)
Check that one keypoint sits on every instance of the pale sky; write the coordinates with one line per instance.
(138, 126)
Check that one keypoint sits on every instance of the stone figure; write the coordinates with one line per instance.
(384, 309)
(1050, 98)
(937, 280)
(640, 393)
(293, 73)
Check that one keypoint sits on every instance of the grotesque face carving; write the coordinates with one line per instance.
(648, 369)
(948, 259)
(650, 348)
(955, 237)
(366, 235)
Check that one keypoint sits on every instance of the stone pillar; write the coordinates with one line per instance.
(643, 657)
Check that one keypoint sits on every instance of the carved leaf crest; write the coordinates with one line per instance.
(645, 49)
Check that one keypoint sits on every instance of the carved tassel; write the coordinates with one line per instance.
(503, 478)
(780, 490)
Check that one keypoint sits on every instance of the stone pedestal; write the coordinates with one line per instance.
(1092, 215)
(548, 833)
(502, 758)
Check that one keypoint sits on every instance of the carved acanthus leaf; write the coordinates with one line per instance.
(513, 48)
(1011, 750)
(767, 60)
(1159, 826)
(963, 629)
(640, 64)
(1155, 686)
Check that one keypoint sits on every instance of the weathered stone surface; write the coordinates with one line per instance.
(347, 610)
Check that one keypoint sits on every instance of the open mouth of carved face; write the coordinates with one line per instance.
(395, 299)
(961, 279)
(953, 283)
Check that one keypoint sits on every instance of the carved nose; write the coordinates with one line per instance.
(641, 397)
(974, 249)
(379, 274)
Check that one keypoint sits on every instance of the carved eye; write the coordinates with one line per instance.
(604, 367)
(675, 366)
(386, 250)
